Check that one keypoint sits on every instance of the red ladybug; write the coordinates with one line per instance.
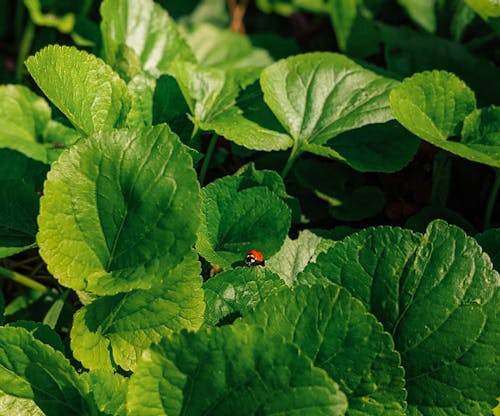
(254, 258)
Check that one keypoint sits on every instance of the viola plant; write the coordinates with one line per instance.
(194, 222)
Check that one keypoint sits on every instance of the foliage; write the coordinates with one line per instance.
(151, 145)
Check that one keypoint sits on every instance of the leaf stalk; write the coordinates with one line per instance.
(24, 280)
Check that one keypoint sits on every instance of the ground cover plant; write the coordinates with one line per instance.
(147, 147)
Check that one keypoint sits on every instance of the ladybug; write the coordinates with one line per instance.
(254, 258)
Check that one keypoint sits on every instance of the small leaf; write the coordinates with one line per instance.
(114, 330)
(295, 255)
(335, 331)
(317, 96)
(24, 118)
(147, 30)
(108, 390)
(32, 370)
(120, 210)
(237, 219)
(235, 292)
(84, 88)
(231, 370)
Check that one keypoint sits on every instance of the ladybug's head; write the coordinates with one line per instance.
(254, 258)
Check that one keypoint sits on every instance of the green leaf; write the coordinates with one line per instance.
(422, 12)
(383, 147)
(232, 370)
(237, 219)
(248, 122)
(147, 30)
(119, 211)
(295, 255)
(485, 8)
(235, 292)
(407, 52)
(11, 405)
(41, 332)
(206, 40)
(108, 390)
(490, 242)
(114, 330)
(141, 89)
(84, 88)
(433, 105)
(335, 331)
(24, 116)
(21, 178)
(32, 370)
(63, 24)
(317, 96)
(437, 294)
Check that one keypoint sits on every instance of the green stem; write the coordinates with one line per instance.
(24, 49)
(208, 157)
(294, 154)
(492, 199)
(19, 20)
(441, 173)
(24, 280)
(87, 4)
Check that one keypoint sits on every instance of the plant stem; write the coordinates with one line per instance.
(18, 20)
(294, 154)
(24, 280)
(24, 48)
(208, 157)
(492, 199)
(441, 173)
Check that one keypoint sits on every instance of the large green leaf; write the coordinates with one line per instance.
(32, 370)
(146, 31)
(206, 40)
(234, 292)
(24, 117)
(238, 218)
(119, 211)
(231, 370)
(433, 105)
(114, 330)
(485, 8)
(438, 296)
(335, 331)
(21, 182)
(83, 87)
(317, 96)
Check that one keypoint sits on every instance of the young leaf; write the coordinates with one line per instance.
(231, 370)
(237, 219)
(24, 117)
(108, 390)
(295, 255)
(317, 96)
(437, 295)
(32, 370)
(83, 87)
(234, 292)
(333, 329)
(119, 211)
(147, 30)
(114, 330)
(206, 40)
